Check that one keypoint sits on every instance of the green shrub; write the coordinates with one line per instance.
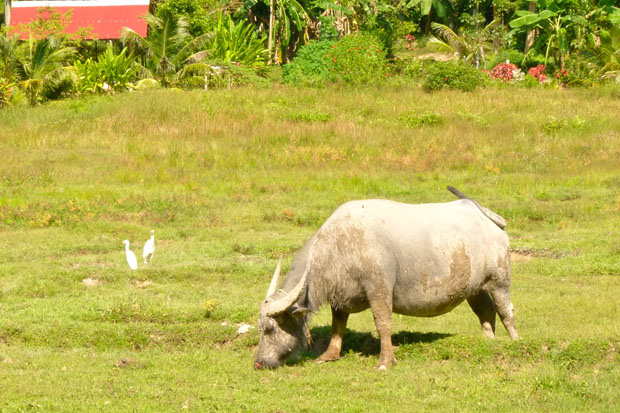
(311, 66)
(327, 28)
(453, 75)
(580, 71)
(193, 10)
(355, 59)
(359, 59)
(514, 56)
(5, 92)
(416, 70)
(245, 76)
(530, 81)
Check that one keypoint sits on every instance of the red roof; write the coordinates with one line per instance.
(104, 18)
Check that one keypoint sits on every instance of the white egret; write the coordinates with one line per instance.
(244, 328)
(131, 257)
(149, 248)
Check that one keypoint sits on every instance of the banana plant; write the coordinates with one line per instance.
(288, 20)
(442, 8)
(554, 22)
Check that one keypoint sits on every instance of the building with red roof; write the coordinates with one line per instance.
(100, 19)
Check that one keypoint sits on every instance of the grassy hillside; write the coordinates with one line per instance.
(230, 180)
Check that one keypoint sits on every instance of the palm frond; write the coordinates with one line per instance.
(450, 37)
(197, 45)
(128, 36)
(440, 46)
(59, 82)
(197, 57)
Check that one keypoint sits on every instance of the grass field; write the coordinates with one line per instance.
(230, 180)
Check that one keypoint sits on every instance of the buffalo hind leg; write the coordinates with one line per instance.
(505, 309)
(339, 324)
(382, 313)
(482, 304)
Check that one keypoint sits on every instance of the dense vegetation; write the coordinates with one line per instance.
(195, 44)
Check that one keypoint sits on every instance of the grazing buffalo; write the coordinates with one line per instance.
(419, 260)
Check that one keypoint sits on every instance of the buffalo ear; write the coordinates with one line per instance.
(298, 311)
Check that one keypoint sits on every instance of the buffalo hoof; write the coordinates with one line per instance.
(328, 356)
(384, 365)
(322, 359)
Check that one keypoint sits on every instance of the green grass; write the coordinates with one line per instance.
(230, 180)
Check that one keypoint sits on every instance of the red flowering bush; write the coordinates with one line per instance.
(505, 71)
(538, 72)
(409, 41)
(563, 77)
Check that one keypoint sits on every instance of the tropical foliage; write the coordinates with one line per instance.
(195, 44)
(111, 72)
(168, 47)
(232, 42)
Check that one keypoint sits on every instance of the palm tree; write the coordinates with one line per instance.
(167, 47)
(7, 12)
(42, 73)
(8, 56)
(470, 46)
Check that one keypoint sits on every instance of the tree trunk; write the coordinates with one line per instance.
(271, 22)
(531, 34)
(427, 28)
(7, 12)
(496, 39)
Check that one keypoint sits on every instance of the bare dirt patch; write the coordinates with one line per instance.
(142, 283)
(91, 282)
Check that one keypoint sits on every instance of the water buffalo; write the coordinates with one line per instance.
(419, 260)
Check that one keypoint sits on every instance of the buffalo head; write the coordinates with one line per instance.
(282, 324)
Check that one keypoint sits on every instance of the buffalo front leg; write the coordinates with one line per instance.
(482, 304)
(339, 324)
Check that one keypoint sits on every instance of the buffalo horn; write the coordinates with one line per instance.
(285, 299)
(274, 281)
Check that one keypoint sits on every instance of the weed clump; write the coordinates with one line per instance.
(415, 120)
